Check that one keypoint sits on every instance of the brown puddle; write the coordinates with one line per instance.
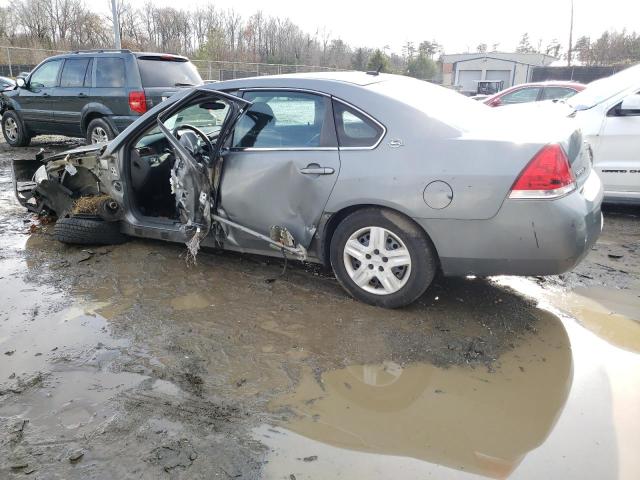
(190, 301)
(562, 404)
(463, 418)
(611, 313)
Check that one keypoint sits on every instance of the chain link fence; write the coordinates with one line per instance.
(582, 74)
(223, 70)
(16, 60)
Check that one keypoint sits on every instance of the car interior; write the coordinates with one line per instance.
(152, 156)
(261, 127)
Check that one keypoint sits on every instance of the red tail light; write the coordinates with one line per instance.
(547, 175)
(137, 102)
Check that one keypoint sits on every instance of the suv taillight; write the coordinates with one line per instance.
(137, 102)
(547, 175)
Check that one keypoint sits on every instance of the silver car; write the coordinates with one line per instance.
(385, 178)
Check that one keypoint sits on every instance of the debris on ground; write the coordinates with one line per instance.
(83, 256)
(175, 454)
(76, 455)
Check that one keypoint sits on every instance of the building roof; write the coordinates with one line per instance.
(536, 59)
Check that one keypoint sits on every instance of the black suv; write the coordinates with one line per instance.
(93, 94)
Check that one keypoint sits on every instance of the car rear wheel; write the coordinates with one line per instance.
(99, 131)
(14, 131)
(382, 258)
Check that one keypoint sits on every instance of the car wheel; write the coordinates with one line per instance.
(382, 258)
(88, 230)
(99, 131)
(14, 131)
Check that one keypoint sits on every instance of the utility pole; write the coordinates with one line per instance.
(570, 50)
(116, 25)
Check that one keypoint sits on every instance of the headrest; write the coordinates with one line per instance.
(262, 113)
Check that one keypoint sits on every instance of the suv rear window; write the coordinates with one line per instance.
(110, 72)
(162, 72)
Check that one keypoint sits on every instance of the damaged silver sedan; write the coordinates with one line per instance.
(385, 178)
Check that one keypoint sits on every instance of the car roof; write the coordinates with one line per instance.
(549, 83)
(351, 77)
(111, 52)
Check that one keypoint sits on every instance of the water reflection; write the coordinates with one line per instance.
(463, 418)
(610, 313)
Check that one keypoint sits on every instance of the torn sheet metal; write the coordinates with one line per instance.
(266, 188)
(191, 186)
(53, 184)
(298, 250)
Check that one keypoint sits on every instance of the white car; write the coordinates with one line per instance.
(608, 112)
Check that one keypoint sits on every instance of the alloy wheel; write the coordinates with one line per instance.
(11, 129)
(99, 135)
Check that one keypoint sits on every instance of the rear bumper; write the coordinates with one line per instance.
(120, 122)
(526, 237)
(621, 197)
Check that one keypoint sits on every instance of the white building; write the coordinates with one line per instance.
(463, 70)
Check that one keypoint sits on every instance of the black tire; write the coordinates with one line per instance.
(82, 230)
(99, 127)
(424, 262)
(14, 131)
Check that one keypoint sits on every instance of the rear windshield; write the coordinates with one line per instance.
(603, 89)
(159, 72)
(442, 104)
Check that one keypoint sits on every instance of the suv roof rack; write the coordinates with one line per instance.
(103, 50)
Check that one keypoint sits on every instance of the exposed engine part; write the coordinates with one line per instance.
(102, 206)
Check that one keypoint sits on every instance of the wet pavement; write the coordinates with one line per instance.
(125, 362)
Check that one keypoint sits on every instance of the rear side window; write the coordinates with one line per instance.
(521, 96)
(73, 72)
(110, 72)
(354, 128)
(46, 75)
(160, 72)
(552, 93)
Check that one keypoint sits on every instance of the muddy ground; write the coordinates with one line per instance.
(125, 362)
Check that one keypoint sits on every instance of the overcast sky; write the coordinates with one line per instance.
(457, 24)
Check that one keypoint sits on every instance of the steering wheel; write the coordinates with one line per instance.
(188, 142)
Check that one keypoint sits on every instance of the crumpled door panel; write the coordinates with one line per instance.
(263, 188)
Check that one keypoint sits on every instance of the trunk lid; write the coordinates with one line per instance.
(548, 123)
(579, 156)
